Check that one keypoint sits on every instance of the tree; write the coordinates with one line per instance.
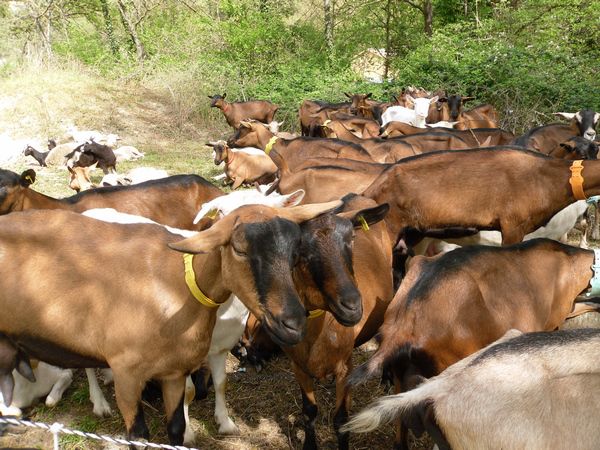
(426, 8)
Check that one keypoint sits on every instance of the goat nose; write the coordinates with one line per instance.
(293, 323)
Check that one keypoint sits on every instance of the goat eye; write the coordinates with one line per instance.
(239, 252)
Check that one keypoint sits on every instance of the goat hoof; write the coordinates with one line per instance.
(103, 410)
(228, 427)
(189, 437)
(10, 411)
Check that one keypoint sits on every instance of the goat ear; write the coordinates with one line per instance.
(565, 115)
(568, 146)
(293, 199)
(210, 96)
(434, 99)
(369, 216)
(409, 98)
(28, 177)
(442, 99)
(208, 240)
(210, 144)
(466, 99)
(369, 95)
(303, 213)
(245, 124)
(224, 95)
(347, 95)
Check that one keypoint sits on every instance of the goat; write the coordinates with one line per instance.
(173, 201)
(295, 151)
(576, 147)
(260, 248)
(454, 304)
(40, 157)
(127, 153)
(57, 153)
(50, 382)
(330, 178)
(327, 346)
(522, 391)
(134, 176)
(91, 153)
(430, 191)
(547, 137)
(235, 112)
(415, 117)
(556, 228)
(242, 167)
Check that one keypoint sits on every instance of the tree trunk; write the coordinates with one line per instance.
(388, 40)
(428, 17)
(114, 48)
(130, 28)
(328, 13)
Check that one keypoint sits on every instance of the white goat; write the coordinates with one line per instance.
(415, 117)
(127, 153)
(534, 391)
(232, 315)
(51, 382)
(134, 176)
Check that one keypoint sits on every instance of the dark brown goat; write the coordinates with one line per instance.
(172, 201)
(295, 151)
(90, 153)
(546, 138)
(576, 148)
(168, 331)
(450, 306)
(40, 157)
(327, 346)
(481, 116)
(235, 112)
(482, 188)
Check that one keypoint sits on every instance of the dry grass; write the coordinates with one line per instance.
(266, 405)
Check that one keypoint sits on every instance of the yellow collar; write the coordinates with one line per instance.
(315, 313)
(270, 144)
(190, 280)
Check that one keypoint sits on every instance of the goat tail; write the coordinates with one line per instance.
(388, 408)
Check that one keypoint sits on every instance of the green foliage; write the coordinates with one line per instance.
(528, 60)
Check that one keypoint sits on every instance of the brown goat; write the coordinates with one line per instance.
(243, 167)
(167, 331)
(327, 346)
(313, 113)
(359, 126)
(475, 137)
(325, 178)
(235, 112)
(392, 150)
(450, 306)
(481, 116)
(546, 138)
(295, 151)
(480, 188)
(172, 201)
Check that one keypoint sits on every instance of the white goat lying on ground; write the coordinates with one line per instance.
(134, 176)
(533, 391)
(127, 153)
(232, 315)
(51, 382)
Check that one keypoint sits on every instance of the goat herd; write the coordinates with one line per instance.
(161, 279)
